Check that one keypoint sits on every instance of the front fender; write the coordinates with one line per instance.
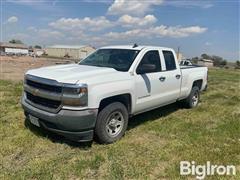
(101, 91)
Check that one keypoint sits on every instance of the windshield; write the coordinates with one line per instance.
(119, 59)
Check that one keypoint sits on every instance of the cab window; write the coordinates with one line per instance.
(169, 60)
(151, 60)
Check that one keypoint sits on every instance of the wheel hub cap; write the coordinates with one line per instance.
(114, 124)
(195, 99)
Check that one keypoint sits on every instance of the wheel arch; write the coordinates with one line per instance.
(198, 83)
(125, 99)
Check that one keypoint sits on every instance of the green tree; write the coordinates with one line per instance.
(195, 60)
(205, 56)
(16, 41)
(223, 63)
(217, 60)
(37, 47)
(237, 65)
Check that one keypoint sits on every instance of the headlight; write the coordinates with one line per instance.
(75, 95)
(74, 90)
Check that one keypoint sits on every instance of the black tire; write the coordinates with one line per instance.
(107, 120)
(193, 99)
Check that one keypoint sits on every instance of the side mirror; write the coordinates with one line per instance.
(146, 68)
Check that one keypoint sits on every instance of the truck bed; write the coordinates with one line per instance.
(190, 74)
(191, 66)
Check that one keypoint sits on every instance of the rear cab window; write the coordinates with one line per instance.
(169, 59)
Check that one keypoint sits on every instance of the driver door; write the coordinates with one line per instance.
(148, 85)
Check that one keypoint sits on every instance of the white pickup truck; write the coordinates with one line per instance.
(96, 97)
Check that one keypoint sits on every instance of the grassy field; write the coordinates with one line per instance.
(152, 148)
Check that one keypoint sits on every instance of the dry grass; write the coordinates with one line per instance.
(13, 68)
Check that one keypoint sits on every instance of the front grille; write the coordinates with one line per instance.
(43, 101)
(51, 88)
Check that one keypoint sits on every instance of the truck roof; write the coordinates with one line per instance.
(131, 47)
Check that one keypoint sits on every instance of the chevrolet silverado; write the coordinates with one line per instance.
(96, 97)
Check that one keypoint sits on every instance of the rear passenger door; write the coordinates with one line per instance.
(172, 75)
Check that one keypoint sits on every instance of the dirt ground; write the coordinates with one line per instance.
(13, 68)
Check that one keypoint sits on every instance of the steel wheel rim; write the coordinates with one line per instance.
(195, 99)
(114, 124)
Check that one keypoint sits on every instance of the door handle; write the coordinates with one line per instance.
(162, 78)
(178, 76)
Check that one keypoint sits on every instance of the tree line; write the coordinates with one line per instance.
(17, 41)
(217, 60)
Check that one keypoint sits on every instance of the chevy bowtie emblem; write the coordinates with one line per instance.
(36, 92)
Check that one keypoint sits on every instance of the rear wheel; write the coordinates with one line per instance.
(193, 98)
(111, 123)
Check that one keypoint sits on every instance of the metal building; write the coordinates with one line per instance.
(70, 51)
(206, 62)
(13, 49)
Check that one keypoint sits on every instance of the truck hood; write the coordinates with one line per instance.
(72, 73)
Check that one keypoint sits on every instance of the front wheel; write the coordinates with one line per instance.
(193, 98)
(111, 123)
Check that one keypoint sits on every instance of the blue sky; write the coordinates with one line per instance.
(198, 27)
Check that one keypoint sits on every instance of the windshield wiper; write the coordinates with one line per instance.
(99, 65)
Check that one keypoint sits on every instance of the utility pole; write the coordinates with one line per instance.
(178, 52)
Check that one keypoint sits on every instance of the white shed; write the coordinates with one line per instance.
(206, 62)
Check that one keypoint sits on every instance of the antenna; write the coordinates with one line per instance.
(135, 45)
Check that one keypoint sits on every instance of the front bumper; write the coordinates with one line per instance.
(72, 124)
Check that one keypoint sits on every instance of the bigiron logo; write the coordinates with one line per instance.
(201, 171)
